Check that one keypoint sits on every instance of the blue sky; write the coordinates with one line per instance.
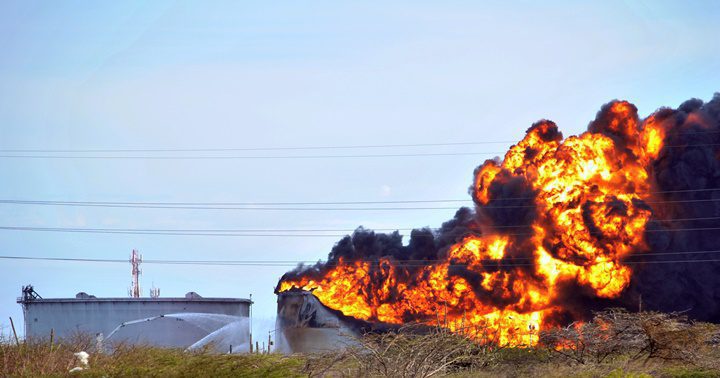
(167, 74)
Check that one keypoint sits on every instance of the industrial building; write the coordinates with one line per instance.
(189, 322)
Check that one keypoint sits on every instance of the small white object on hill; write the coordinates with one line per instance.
(83, 357)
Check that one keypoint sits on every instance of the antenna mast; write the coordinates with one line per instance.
(135, 260)
(154, 291)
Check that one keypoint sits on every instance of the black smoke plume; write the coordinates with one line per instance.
(678, 271)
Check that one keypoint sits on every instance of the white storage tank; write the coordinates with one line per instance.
(192, 321)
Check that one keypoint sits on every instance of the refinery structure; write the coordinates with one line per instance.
(560, 228)
(187, 322)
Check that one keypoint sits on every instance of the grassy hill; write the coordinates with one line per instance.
(613, 344)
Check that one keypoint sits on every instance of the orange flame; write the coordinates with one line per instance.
(589, 213)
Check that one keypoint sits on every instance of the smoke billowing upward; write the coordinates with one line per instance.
(625, 213)
(687, 177)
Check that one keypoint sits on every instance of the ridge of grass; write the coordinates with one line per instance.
(43, 359)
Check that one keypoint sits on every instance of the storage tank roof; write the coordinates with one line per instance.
(134, 300)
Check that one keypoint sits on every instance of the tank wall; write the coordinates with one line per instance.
(304, 325)
(92, 317)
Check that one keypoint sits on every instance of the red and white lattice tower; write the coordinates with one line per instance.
(135, 260)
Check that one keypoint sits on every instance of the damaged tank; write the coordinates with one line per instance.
(305, 325)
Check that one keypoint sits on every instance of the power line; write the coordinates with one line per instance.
(148, 157)
(650, 192)
(273, 206)
(288, 148)
(647, 202)
(292, 230)
(397, 263)
(226, 230)
(241, 208)
(13, 152)
(294, 148)
(244, 234)
(601, 233)
(659, 220)
(42, 202)
(91, 231)
(266, 207)
(234, 205)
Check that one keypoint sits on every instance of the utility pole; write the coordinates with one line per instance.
(250, 318)
(135, 260)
